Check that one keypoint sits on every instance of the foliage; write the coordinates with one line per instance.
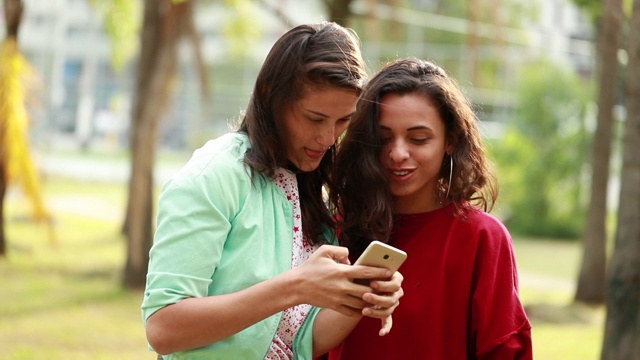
(240, 26)
(15, 154)
(543, 156)
(241, 29)
(592, 7)
(122, 22)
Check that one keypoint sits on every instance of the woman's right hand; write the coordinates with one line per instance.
(326, 280)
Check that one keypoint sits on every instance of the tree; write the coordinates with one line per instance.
(542, 153)
(164, 24)
(473, 39)
(591, 279)
(339, 10)
(622, 327)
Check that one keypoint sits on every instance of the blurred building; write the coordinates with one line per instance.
(516, 32)
(86, 104)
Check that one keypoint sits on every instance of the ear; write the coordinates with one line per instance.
(449, 148)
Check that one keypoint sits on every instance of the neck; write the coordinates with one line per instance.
(410, 206)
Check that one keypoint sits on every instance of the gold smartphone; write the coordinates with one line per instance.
(379, 254)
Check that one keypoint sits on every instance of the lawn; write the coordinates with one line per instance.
(561, 330)
(66, 302)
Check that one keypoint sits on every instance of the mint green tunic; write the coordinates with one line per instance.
(220, 231)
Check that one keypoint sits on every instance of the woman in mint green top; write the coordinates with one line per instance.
(242, 265)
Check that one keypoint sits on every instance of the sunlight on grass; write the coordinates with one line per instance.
(575, 341)
(67, 302)
(561, 330)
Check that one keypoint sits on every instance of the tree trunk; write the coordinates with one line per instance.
(339, 11)
(473, 41)
(3, 188)
(622, 327)
(163, 25)
(592, 277)
(372, 22)
(395, 25)
(13, 10)
(13, 15)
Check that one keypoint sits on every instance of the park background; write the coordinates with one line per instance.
(70, 269)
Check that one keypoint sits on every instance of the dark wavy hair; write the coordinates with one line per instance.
(359, 190)
(308, 56)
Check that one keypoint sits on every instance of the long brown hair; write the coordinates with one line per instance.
(310, 55)
(359, 190)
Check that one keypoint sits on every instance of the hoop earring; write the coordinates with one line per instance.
(450, 176)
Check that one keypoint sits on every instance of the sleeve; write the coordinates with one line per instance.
(516, 346)
(303, 343)
(195, 212)
(499, 323)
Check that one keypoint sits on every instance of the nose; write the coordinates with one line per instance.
(327, 137)
(398, 151)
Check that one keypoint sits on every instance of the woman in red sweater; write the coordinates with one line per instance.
(412, 172)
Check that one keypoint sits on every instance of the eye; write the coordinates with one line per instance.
(420, 140)
(345, 120)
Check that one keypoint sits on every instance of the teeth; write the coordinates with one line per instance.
(400, 173)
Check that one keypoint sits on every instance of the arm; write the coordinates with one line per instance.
(196, 322)
(320, 281)
(516, 347)
(503, 330)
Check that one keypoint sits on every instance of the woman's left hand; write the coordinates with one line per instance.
(384, 300)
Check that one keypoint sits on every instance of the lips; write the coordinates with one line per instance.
(401, 174)
(314, 154)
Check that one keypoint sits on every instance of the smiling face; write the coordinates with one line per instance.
(313, 124)
(415, 145)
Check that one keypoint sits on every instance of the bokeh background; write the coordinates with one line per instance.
(103, 100)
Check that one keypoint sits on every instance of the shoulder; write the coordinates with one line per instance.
(216, 167)
(486, 230)
(219, 158)
(227, 151)
(483, 221)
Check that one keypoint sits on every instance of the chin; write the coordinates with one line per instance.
(401, 193)
(307, 166)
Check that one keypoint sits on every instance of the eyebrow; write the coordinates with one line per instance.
(325, 115)
(413, 128)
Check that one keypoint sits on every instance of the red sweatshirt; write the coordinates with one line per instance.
(461, 294)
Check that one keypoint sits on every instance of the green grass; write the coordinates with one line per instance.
(561, 329)
(66, 302)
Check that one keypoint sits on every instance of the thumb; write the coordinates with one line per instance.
(337, 253)
(387, 324)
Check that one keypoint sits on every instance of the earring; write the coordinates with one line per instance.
(450, 176)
